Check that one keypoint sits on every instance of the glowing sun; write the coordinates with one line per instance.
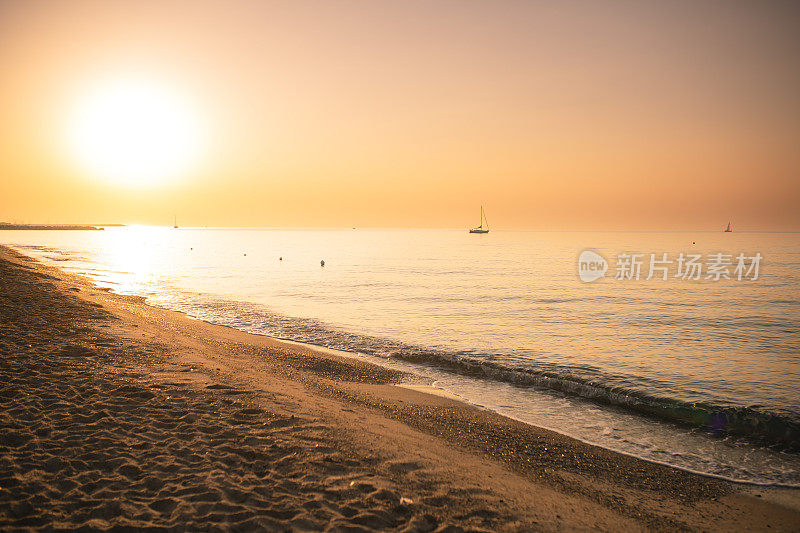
(134, 133)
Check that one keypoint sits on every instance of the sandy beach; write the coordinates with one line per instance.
(117, 415)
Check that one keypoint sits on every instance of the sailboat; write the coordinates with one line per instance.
(175, 222)
(728, 229)
(481, 229)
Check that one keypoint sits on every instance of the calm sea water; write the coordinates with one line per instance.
(701, 374)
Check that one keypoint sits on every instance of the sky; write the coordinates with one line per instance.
(552, 115)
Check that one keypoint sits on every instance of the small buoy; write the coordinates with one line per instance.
(280, 259)
(244, 255)
(322, 263)
(191, 248)
(692, 242)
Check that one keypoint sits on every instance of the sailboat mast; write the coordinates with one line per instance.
(480, 228)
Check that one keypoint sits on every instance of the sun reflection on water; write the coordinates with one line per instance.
(133, 257)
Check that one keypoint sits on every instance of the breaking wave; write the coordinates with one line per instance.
(751, 423)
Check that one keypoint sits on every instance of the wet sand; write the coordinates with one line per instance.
(117, 415)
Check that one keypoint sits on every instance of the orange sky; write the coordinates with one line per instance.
(553, 115)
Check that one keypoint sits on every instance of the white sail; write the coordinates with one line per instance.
(481, 229)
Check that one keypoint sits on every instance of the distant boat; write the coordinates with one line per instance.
(175, 223)
(728, 229)
(481, 229)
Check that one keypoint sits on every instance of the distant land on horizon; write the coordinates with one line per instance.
(87, 227)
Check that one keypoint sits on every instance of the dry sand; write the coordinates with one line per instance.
(116, 415)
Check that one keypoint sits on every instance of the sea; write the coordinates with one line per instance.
(680, 348)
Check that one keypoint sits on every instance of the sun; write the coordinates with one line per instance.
(134, 133)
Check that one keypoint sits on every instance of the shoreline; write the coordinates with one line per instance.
(441, 392)
(444, 393)
(432, 389)
(520, 476)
